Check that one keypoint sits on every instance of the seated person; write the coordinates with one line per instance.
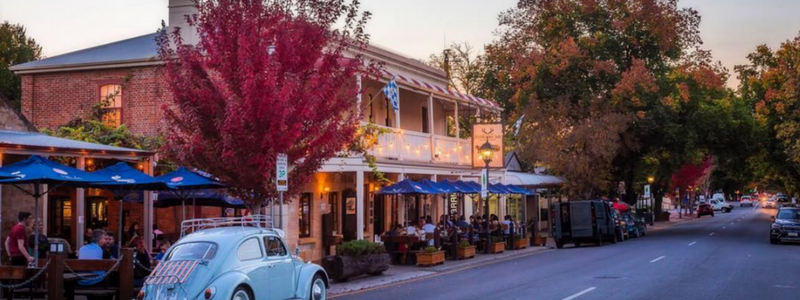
(163, 246)
(412, 230)
(93, 250)
(430, 228)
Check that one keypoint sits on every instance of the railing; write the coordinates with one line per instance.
(415, 146)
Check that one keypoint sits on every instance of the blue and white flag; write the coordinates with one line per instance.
(517, 125)
(392, 92)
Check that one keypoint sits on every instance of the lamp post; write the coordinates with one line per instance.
(487, 151)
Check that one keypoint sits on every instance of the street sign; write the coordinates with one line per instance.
(282, 176)
(621, 188)
(647, 191)
(484, 183)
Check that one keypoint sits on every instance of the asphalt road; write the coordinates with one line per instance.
(725, 257)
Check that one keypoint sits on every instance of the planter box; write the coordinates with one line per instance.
(342, 268)
(430, 258)
(466, 252)
(521, 243)
(539, 241)
(497, 247)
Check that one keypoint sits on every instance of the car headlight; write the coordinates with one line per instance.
(776, 226)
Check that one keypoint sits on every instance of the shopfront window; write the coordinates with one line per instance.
(305, 215)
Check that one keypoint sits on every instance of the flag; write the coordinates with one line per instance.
(392, 93)
(517, 125)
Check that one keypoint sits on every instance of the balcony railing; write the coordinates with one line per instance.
(412, 146)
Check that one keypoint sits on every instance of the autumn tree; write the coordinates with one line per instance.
(585, 73)
(266, 77)
(15, 48)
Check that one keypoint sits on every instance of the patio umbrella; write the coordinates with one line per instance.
(38, 170)
(183, 182)
(122, 179)
(442, 188)
(463, 187)
(207, 197)
(407, 187)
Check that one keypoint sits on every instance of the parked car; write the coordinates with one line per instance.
(705, 209)
(635, 226)
(619, 225)
(721, 205)
(785, 226)
(241, 262)
(746, 201)
(771, 203)
(781, 201)
(584, 221)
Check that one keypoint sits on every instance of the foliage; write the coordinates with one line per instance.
(267, 77)
(497, 239)
(15, 48)
(366, 138)
(431, 249)
(357, 248)
(464, 244)
(465, 70)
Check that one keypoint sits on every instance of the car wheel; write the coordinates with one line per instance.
(577, 244)
(241, 293)
(318, 289)
(712, 214)
(559, 244)
(638, 234)
(599, 238)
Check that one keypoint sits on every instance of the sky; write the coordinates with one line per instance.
(414, 28)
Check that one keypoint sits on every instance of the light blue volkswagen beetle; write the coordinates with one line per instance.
(233, 258)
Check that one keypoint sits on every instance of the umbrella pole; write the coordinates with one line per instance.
(194, 208)
(36, 196)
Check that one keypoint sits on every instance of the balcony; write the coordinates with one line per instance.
(412, 146)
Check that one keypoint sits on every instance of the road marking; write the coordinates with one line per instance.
(657, 259)
(692, 243)
(723, 227)
(711, 234)
(580, 293)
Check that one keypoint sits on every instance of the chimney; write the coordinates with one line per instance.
(178, 10)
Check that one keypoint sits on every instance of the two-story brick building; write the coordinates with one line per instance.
(422, 142)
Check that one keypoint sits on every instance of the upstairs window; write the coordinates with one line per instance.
(111, 102)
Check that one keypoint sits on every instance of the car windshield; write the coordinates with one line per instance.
(789, 214)
(192, 251)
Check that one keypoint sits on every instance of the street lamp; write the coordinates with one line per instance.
(487, 151)
(650, 179)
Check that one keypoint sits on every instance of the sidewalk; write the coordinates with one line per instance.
(673, 219)
(398, 274)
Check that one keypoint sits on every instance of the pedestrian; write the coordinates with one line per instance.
(17, 241)
(44, 243)
(141, 258)
(133, 232)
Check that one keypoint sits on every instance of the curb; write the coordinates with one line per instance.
(438, 273)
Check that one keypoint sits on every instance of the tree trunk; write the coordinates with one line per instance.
(658, 201)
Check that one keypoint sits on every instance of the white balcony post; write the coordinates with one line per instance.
(358, 97)
(80, 206)
(360, 205)
(458, 128)
(397, 112)
(431, 128)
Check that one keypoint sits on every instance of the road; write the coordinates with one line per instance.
(725, 257)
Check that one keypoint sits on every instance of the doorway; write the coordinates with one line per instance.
(60, 212)
(348, 206)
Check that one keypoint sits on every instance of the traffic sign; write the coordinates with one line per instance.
(282, 176)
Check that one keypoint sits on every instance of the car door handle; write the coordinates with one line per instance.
(270, 266)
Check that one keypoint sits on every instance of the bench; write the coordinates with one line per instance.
(60, 282)
(17, 274)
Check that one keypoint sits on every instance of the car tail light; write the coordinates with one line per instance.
(209, 292)
(140, 296)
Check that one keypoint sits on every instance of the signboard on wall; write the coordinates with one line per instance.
(492, 133)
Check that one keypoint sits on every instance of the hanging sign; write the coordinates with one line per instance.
(282, 169)
(493, 134)
(484, 183)
(647, 191)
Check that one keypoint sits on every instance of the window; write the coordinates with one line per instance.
(250, 249)
(111, 102)
(191, 251)
(305, 215)
(274, 246)
(425, 125)
(333, 202)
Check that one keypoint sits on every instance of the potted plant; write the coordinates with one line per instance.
(498, 245)
(356, 258)
(539, 240)
(465, 250)
(430, 256)
(521, 242)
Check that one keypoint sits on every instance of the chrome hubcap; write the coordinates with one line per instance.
(318, 290)
(241, 295)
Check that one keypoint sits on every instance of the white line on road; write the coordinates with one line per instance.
(692, 243)
(657, 259)
(711, 234)
(580, 293)
(723, 227)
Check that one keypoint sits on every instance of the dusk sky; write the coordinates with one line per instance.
(415, 28)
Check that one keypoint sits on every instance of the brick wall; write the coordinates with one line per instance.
(53, 99)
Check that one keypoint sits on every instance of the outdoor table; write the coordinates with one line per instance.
(71, 282)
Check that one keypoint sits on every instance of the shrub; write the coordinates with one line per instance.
(359, 248)
(463, 244)
(431, 249)
(497, 239)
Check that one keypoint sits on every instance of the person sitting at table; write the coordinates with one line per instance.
(462, 222)
(494, 225)
(111, 248)
(141, 261)
(93, 250)
(163, 246)
(412, 230)
(430, 228)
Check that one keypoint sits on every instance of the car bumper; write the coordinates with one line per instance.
(785, 236)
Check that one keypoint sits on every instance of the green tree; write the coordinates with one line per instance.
(15, 48)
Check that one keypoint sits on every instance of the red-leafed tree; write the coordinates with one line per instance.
(266, 77)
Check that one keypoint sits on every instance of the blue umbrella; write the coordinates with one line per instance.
(38, 170)
(407, 186)
(122, 179)
(202, 198)
(492, 188)
(463, 187)
(500, 189)
(182, 182)
(442, 187)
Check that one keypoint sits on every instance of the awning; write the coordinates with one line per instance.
(533, 180)
(444, 91)
(38, 141)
